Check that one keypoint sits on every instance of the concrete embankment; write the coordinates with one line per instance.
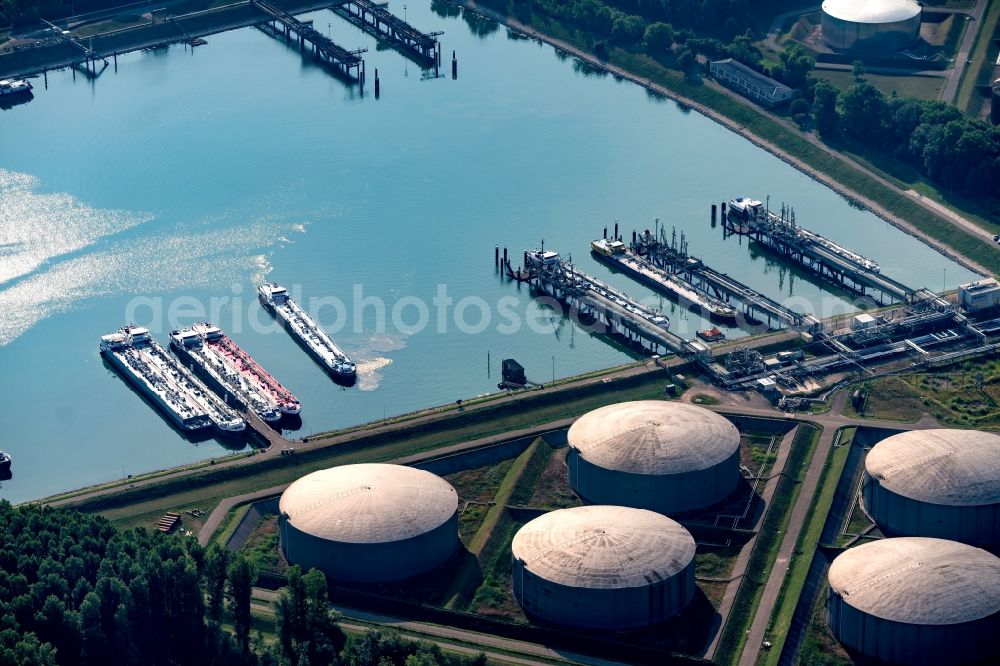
(164, 31)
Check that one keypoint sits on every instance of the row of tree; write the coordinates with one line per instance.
(75, 591)
(959, 153)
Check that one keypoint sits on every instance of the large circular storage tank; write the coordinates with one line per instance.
(369, 523)
(936, 483)
(603, 567)
(914, 601)
(870, 26)
(653, 454)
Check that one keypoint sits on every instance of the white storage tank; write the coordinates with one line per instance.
(653, 454)
(936, 483)
(369, 523)
(870, 26)
(603, 567)
(916, 601)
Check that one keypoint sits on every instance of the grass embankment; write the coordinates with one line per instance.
(904, 85)
(982, 64)
(805, 548)
(818, 158)
(468, 574)
(205, 488)
(765, 550)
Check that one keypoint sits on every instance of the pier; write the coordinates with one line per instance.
(285, 26)
(832, 262)
(377, 21)
(674, 258)
(619, 313)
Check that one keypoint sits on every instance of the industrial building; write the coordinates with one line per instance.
(936, 483)
(979, 295)
(916, 601)
(369, 523)
(870, 26)
(603, 567)
(653, 454)
(750, 83)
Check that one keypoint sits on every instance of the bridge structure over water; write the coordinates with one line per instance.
(283, 25)
(379, 22)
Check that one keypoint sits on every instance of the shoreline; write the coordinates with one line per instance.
(717, 117)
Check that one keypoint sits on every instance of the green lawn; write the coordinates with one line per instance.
(904, 85)
(981, 51)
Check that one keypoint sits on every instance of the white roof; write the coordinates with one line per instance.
(369, 503)
(952, 467)
(918, 580)
(871, 11)
(603, 547)
(654, 437)
(864, 317)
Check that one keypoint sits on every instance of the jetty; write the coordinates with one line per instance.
(285, 26)
(379, 22)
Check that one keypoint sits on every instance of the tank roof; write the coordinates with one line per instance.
(951, 467)
(871, 11)
(603, 547)
(369, 503)
(917, 580)
(654, 437)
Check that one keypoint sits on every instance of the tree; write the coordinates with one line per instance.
(858, 69)
(241, 580)
(799, 108)
(627, 28)
(866, 114)
(796, 63)
(685, 62)
(825, 108)
(658, 38)
(217, 561)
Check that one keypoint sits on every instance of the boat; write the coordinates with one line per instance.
(307, 332)
(180, 395)
(615, 254)
(12, 87)
(5, 462)
(232, 372)
(711, 335)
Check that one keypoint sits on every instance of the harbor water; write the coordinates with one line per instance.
(166, 190)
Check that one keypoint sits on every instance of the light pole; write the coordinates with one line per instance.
(553, 369)
(328, 27)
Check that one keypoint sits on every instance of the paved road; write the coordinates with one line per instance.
(523, 648)
(743, 559)
(964, 49)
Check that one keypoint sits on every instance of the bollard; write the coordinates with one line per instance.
(496, 256)
(616, 231)
(605, 233)
(454, 66)
(377, 86)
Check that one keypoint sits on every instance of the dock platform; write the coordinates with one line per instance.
(285, 26)
(674, 258)
(379, 22)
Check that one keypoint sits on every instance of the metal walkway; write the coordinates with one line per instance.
(345, 62)
(377, 21)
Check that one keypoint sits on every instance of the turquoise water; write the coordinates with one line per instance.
(187, 176)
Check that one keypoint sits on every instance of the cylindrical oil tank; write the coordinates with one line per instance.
(916, 601)
(659, 455)
(369, 523)
(936, 483)
(603, 567)
(870, 26)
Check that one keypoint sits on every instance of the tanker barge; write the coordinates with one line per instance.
(232, 372)
(307, 332)
(615, 254)
(186, 401)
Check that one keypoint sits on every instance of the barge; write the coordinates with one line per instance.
(307, 332)
(232, 372)
(615, 254)
(181, 396)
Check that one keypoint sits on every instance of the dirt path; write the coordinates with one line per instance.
(775, 150)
